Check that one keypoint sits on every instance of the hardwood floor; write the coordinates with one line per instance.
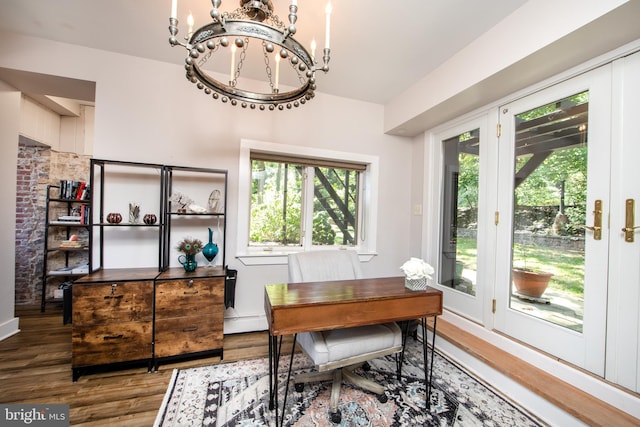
(35, 367)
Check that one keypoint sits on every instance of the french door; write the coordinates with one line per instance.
(559, 193)
(623, 320)
(554, 181)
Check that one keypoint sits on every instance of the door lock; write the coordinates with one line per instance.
(597, 221)
(629, 220)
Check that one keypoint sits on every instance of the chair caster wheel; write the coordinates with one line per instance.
(299, 387)
(336, 417)
(382, 398)
(366, 366)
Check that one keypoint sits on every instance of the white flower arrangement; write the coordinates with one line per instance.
(416, 268)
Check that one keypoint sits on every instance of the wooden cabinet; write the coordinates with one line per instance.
(112, 318)
(122, 313)
(189, 312)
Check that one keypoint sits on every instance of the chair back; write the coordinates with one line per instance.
(324, 265)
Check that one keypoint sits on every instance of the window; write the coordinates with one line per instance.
(279, 202)
(298, 198)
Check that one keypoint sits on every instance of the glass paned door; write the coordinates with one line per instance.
(553, 191)
(459, 243)
(460, 165)
(550, 182)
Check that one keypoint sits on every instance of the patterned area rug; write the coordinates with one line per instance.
(237, 394)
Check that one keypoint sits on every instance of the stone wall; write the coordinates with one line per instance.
(37, 167)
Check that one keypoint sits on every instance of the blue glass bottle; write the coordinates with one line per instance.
(210, 250)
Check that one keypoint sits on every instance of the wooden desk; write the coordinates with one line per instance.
(318, 306)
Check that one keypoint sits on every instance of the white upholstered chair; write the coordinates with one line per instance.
(336, 353)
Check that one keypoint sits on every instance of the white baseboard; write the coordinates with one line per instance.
(9, 328)
(236, 324)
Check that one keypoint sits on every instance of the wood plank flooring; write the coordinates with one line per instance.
(35, 367)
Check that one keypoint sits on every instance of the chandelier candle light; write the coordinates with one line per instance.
(253, 23)
(417, 272)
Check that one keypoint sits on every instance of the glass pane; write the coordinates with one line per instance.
(458, 265)
(276, 200)
(335, 206)
(550, 210)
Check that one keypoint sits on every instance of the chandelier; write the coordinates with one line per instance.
(252, 31)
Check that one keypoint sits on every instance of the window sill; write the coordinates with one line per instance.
(280, 258)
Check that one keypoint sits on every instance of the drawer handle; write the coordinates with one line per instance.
(112, 296)
(190, 292)
(191, 329)
(113, 337)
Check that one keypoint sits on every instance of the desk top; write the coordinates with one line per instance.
(315, 306)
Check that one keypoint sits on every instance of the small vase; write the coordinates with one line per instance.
(416, 284)
(114, 218)
(150, 219)
(188, 261)
(210, 250)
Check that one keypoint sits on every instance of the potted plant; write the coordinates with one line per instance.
(529, 282)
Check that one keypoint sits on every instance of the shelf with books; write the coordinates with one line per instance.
(66, 236)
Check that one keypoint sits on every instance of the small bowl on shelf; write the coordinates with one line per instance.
(114, 218)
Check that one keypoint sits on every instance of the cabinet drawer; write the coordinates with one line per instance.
(188, 335)
(96, 303)
(187, 297)
(96, 345)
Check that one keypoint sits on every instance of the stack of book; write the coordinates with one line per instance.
(65, 271)
(71, 244)
(69, 218)
(82, 217)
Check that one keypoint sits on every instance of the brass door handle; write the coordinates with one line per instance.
(629, 220)
(597, 221)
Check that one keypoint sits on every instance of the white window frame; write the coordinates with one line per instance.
(367, 206)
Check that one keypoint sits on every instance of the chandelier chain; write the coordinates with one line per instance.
(243, 55)
(207, 55)
(267, 65)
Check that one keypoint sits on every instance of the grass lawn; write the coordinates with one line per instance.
(567, 266)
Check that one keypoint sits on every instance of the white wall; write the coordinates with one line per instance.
(9, 125)
(147, 111)
(538, 40)
(39, 123)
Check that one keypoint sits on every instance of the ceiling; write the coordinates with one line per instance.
(378, 49)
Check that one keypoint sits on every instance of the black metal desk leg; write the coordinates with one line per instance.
(427, 385)
(433, 349)
(272, 346)
(286, 388)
